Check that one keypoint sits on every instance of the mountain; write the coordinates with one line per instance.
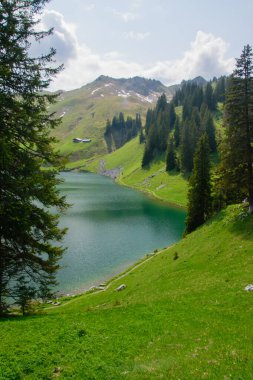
(199, 81)
(84, 111)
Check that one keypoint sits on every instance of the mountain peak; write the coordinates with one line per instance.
(199, 81)
(135, 85)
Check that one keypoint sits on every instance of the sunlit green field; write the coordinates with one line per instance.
(184, 314)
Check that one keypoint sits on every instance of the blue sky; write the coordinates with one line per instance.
(160, 39)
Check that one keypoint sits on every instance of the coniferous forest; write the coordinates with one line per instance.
(119, 131)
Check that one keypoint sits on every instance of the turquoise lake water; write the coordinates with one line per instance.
(109, 228)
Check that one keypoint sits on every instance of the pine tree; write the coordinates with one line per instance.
(207, 125)
(237, 154)
(141, 137)
(172, 115)
(171, 156)
(209, 97)
(189, 138)
(149, 120)
(28, 186)
(199, 194)
(177, 132)
(220, 89)
(108, 136)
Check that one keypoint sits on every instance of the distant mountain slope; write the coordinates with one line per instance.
(84, 111)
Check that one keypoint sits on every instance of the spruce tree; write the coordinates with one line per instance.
(207, 125)
(209, 97)
(177, 132)
(237, 154)
(199, 194)
(108, 136)
(171, 156)
(172, 115)
(29, 165)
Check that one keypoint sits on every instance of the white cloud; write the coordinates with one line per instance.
(64, 38)
(125, 16)
(206, 56)
(138, 36)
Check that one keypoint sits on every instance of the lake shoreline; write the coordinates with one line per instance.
(161, 225)
(105, 284)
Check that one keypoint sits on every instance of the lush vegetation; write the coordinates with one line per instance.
(178, 135)
(84, 112)
(184, 314)
(235, 180)
(28, 226)
(119, 131)
(199, 193)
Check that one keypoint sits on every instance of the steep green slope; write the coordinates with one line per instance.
(84, 111)
(184, 318)
(154, 180)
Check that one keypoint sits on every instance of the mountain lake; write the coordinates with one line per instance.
(110, 227)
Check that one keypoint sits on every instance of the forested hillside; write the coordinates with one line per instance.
(84, 112)
(177, 135)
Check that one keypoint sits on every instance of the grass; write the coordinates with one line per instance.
(154, 180)
(84, 115)
(184, 318)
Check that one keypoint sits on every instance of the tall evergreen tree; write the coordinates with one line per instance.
(177, 132)
(149, 120)
(108, 136)
(237, 153)
(207, 125)
(209, 97)
(199, 194)
(220, 89)
(28, 189)
(172, 115)
(189, 138)
(171, 156)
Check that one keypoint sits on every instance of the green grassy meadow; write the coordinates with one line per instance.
(184, 314)
(84, 113)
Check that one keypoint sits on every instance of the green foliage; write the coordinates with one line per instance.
(171, 156)
(209, 98)
(197, 102)
(220, 89)
(235, 176)
(28, 189)
(141, 136)
(23, 293)
(119, 131)
(177, 132)
(159, 122)
(199, 193)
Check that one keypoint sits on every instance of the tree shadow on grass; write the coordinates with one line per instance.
(12, 317)
(242, 225)
(237, 220)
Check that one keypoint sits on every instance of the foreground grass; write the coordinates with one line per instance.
(188, 318)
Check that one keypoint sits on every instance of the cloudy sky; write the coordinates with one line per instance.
(161, 39)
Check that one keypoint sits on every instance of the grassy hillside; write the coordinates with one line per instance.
(153, 180)
(84, 111)
(184, 318)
